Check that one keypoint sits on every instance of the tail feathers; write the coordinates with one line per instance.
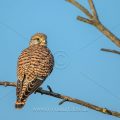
(19, 104)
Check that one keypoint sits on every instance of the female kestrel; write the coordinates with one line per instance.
(34, 65)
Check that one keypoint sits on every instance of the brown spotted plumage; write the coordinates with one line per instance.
(34, 64)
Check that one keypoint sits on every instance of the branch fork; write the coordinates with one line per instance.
(93, 19)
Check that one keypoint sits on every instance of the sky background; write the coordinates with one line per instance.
(81, 70)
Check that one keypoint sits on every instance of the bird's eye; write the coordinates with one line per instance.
(38, 39)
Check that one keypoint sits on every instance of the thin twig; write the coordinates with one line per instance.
(93, 9)
(94, 20)
(85, 20)
(82, 8)
(109, 50)
(49, 88)
(69, 99)
(63, 101)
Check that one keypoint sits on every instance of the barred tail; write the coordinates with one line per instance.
(19, 104)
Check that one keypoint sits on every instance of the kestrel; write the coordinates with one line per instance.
(34, 65)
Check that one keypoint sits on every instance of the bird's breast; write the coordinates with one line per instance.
(36, 60)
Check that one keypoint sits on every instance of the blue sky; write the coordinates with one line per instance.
(81, 69)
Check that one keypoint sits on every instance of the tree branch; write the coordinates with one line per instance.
(5, 84)
(93, 18)
(85, 20)
(64, 98)
(109, 50)
(93, 9)
(82, 8)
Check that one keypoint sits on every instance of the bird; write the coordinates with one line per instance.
(34, 65)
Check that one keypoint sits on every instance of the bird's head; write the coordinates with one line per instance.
(39, 38)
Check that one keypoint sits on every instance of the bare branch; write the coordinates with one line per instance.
(69, 99)
(85, 20)
(108, 34)
(94, 20)
(93, 9)
(109, 50)
(63, 101)
(49, 88)
(82, 8)
(5, 83)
